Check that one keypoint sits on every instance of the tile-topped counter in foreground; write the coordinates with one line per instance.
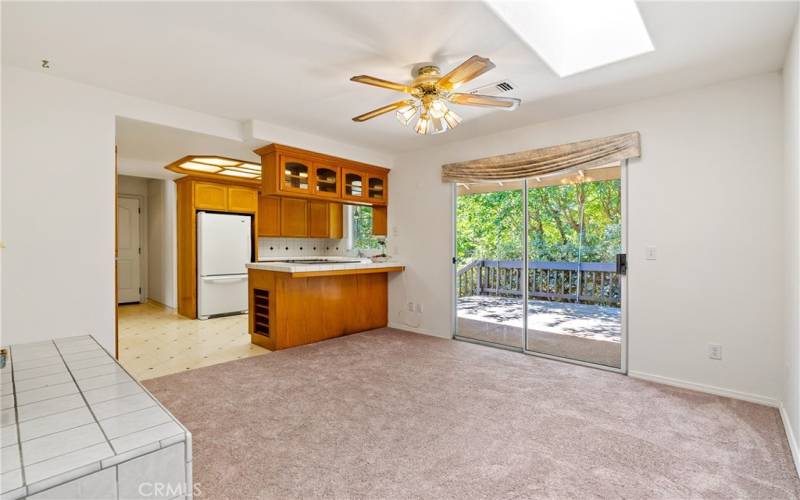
(75, 424)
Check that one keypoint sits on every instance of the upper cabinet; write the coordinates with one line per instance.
(297, 173)
(225, 197)
(355, 183)
(325, 180)
(376, 188)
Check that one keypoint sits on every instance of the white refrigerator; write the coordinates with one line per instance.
(224, 247)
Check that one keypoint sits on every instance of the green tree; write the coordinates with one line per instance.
(565, 222)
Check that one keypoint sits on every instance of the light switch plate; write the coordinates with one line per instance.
(650, 253)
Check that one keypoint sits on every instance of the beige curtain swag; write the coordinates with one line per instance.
(543, 161)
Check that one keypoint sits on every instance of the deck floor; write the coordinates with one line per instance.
(583, 332)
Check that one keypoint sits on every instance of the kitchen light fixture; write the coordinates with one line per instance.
(215, 166)
(431, 93)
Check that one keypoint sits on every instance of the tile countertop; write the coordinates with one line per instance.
(282, 264)
(69, 410)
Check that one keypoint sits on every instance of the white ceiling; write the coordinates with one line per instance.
(290, 63)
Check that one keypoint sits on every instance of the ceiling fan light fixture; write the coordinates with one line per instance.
(437, 126)
(438, 108)
(423, 124)
(452, 118)
(430, 94)
(405, 114)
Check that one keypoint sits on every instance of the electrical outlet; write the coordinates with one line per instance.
(410, 307)
(419, 308)
(714, 351)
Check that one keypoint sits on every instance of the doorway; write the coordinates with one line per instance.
(536, 266)
(129, 247)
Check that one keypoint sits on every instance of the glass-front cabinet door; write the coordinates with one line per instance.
(296, 175)
(354, 185)
(326, 180)
(376, 189)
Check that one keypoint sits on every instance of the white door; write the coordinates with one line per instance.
(129, 253)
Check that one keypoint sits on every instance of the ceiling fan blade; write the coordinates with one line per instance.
(380, 111)
(385, 84)
(506, 103)
(470, 69)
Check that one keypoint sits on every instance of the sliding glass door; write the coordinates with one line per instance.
(574, 236)
(535, 265)
(490, 224)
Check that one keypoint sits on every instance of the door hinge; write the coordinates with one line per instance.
(140, 250)
(454, 260)
(140, 290)
(139, 209)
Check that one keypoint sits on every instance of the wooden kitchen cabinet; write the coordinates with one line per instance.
(354, 185)
(325, 180)
(225, 198)
(297, 173)
(325, 220)
(242, 199)
(376, 189)
(294, 218)
(210, 196)
(269, 216)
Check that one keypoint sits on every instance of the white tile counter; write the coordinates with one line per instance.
(284, 264)
(75, 424)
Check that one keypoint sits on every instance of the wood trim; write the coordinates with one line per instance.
(116, 253)
(343, 272)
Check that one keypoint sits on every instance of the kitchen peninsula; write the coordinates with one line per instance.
(297, 302)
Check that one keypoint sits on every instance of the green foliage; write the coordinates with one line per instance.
(490, 226)
(362, 229)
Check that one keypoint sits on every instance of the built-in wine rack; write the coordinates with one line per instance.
(261, 312)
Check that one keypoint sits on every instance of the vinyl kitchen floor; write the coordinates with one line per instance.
(155, 340)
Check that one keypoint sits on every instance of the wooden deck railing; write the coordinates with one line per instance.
(587, 282)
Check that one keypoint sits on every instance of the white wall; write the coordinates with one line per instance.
(58, 193)
(791, 393)
(162, 242)
(707, 191)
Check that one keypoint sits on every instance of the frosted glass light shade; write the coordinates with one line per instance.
(405, 114)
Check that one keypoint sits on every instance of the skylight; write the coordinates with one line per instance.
(577, 35)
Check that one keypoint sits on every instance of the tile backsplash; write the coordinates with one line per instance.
(293, 247)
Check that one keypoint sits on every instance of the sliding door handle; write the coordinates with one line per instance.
(622, 264)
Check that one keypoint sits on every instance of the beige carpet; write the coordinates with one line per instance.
(390, 414)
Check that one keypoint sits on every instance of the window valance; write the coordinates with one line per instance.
(543, 161)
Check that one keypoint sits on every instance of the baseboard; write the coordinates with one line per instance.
(710, 389)
(401, 326)
(787, 427)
